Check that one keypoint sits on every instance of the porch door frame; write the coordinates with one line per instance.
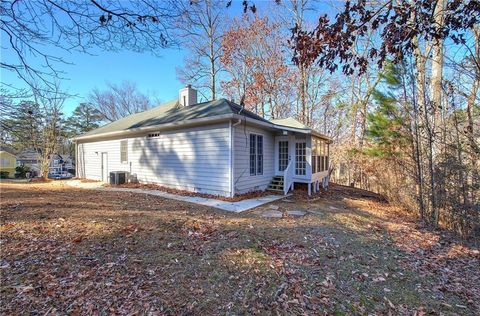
(104, 166)
(307, 162)
(291, 147)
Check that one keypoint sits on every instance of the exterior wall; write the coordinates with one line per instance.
(8, 163)
(243, 181)
(194, 159)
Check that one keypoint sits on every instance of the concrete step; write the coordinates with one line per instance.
(275, 187)
(275, 190)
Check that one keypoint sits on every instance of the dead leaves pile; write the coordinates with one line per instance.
(150, 186)
(79, 252)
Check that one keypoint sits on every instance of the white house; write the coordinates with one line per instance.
(215, 147)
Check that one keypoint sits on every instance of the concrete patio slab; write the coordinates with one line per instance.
(237, 207)
(297, 213)
(270, 213)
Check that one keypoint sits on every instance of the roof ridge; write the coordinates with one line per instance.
(242, 108)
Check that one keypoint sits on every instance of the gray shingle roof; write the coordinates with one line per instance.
(170, 112)
(8, 149)
(290, 122)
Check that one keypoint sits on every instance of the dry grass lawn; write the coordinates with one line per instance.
(74, 251)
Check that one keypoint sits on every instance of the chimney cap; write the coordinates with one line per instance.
(188, 86)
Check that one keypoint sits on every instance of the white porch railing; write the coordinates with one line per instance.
(288, 177)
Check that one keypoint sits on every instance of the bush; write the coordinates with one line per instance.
(21, 171)
(3, 174)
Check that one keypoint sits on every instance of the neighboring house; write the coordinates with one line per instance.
(214, 147)
(8, 161)
(68, 164)
(30, 158)
(59, 164)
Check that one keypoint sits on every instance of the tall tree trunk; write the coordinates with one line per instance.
(212, 72)
(211, 35)
(303, 101)
(419, 102)
(469, 131)
(436, 95)
(353, 114)
(363, 109)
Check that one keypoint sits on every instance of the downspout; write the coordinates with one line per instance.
(232, 156)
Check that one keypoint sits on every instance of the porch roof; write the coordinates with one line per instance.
(296, 126)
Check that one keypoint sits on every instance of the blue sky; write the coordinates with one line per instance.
(154, 75)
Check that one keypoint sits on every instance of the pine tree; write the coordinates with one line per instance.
(83, 119)
(387, 132)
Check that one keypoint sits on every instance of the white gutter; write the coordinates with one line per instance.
(283, 127)
(155, 127)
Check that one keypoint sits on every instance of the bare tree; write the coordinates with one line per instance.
(49, 122)
(119, 100)
(255, 61)
(201, 24)
(30, 28)
(297, 10)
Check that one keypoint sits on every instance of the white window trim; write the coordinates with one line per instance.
(121, 160)
(256, 154)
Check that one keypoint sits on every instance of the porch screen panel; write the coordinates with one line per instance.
(327, 154)
(300, 159)
(282, 155)
(321, 156)
(314, 155)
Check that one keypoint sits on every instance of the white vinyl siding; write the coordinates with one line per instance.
(244, 182)
(195, 159)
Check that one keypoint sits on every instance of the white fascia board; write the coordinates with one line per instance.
(160, 127)
(281, 127)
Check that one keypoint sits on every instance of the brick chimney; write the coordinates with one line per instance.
(187, 96)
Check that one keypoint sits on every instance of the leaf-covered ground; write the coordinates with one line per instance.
(74, 251)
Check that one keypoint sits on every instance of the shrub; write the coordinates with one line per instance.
(21, 171)
(3, 174)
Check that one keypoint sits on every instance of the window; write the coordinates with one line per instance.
(300, 159)
(256, 154)
(282, 155)
(5, 162)
(259, 154)
(124, 151)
